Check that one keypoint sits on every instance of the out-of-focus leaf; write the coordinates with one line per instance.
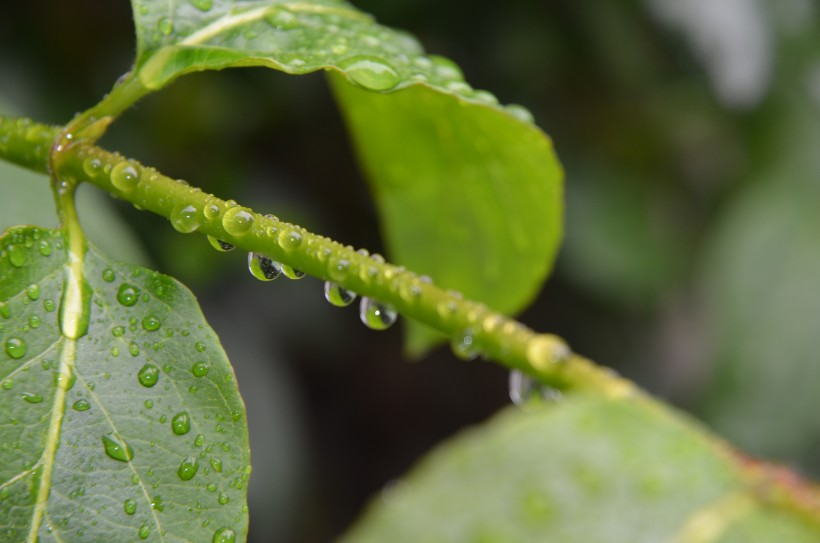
(469, 191)
(589, 470)
(136, 427)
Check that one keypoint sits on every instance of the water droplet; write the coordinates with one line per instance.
(283, 20)
(199, 440)
(16, 256)
(33, 292)
(463, 345)
(188, 468)
(202, 5)
(81, 405)
(546, 349)
(5, 310)
(44, 247)
(148, 375)
(116, 448)
(237, 221)
(219, 245)
(337, 295)
(144, 531)
(291, 273)
(16, 347)
(521, 113)
(376, 315)
(129, 506)
(216, 463)
(290, 240)
(128, 295)
(149, 404)
(156, 503)
(8, 384)
(338, 269)
(108, 275)
(151, 323)
(133, 349)
(181, 423)
(224, 535)
(185, 218)
(165, 25)
(92, 167)
(370, 72)
(236, 414)
(34, 321)
(199, 369)
(485, 96)
(523, 389)
(223, 498)
(262, 267)
(31, 397)
(445, 68)
(125, 176)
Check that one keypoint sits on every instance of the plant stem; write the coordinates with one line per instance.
(473, 327)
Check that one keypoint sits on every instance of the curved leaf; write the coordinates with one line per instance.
(469, 191)
(589, 470)
(135, 427)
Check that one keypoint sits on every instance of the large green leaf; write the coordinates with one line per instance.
(135, 428)
(588, 470)
(469, 191)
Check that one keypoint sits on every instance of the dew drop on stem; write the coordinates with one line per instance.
(219, 245)
(338, 295)
(524, 390)
(262, 267)
(125, 176)
(376, 315)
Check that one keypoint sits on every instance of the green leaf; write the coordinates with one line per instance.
(588, 470)
(135, 428)
(469, 191)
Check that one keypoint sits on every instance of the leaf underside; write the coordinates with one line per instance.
(469, 192)
(588, 470)
(150, 437)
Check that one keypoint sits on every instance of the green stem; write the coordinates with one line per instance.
(495, 336)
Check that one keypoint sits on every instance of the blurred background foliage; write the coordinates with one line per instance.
(689, 131)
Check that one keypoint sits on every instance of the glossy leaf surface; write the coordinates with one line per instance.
(135, 429)
(587, 470)
(469, 191)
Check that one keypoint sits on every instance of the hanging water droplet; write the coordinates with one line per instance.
(181, 423)
(16, 347)
(129, 506)
(199, 369)
(32, 397)
(219, 245)
(370, 72)
(203, 5)
(125, 176)
(376, 315)
(185, 218)
(148, 375)
(151, 323)
(289, 272)
(338, 296)
(262, 267)
(224, 535)
(237, 221)
(128, 295)
(188, 468)
(464, 346)
(216, 463)
(289, 239)
(523, 389)
(116, 448)
(81, 405)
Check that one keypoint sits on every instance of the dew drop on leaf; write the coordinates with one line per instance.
(224, 535)
(181, 423)
(16, 256)
(199, 440)
(151, 323)
(34, 321)
(370, 72)
(202, 5)
(376, 315)
(521, 113)
(144, 531)
(116, 448)
(200, 347)
(216, 463)
(49, 305)
(148, 375)
(129, 506)
(128, 295)
(337, 295)
(188, 468)
(237, 221)
(5, 310)
(283, 20)
(33, 292)
(223, 498)
(262, 267)
(199, 369)
(44, 247)
(81, 405)
(8, 384)
(165, 25)
(31, 397)
(219, 245)
(125, 176)
(16, 347)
